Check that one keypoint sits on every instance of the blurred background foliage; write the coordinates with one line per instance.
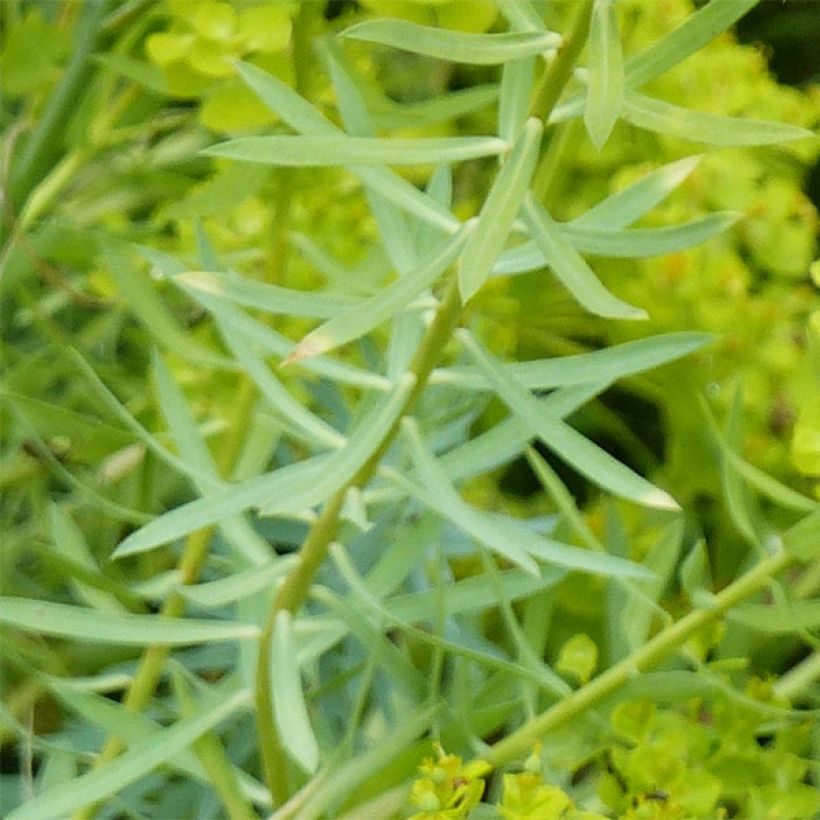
(158, 84)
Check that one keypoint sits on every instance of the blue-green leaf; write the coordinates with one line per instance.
(606, 73)
(499, 210)
(454, 46)
(571, 269)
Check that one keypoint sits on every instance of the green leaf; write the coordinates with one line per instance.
(698, 126)
(605, 92)
(454, 46)
(232, 321)
(633, 243)
(308, 151)
(292, 412)
(138, 291)
(145, 74)
(442, 108)
(521, 15)
(506, 536)
(262, 296)
(695, 572)
(627, 206)
(695, 32)
(300, 115)
(343, 465)
(601, 366)
(585, 456)
(215, 594)
(791, 617)
(514, 100)
(754, 476)
(64, 621)
(361, 318)
(499, 210)
(138, 761)
(288, 699)
(568, 265)
(150, 441)
(251, 547)
(293, 488)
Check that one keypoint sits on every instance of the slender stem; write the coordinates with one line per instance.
(797, 679)
(555, 78)
(518, 744)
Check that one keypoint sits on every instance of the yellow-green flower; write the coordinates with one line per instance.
(447, 789)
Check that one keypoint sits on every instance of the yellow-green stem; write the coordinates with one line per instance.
(518, 744)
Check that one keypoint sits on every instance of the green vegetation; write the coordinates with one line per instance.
(409, 410)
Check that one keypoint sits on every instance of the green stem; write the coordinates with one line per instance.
(556, 77)
(518, 744)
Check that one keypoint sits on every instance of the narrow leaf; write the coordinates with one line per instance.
(506, 536)
(215, 594)
(356, 321)
(308, 151)
(290, 489)
(606, 73)
(514, 101)
(262, 296)
(499, 211)
(695, 32)
(585, 456)
(568, 265)
(137, 762)
(288, 699)
(454, 46)
(632, 243)
(627, 206)
(77, 623)
(698, 126)
(606, 365)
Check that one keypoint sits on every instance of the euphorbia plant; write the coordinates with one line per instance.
(339, 537)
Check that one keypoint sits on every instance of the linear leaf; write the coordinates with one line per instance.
(293, 488)
(262, 296)
(343, 465)
(630, 243)
(214, 594)
(304, 423)
(454, 46)
(571, 269)
(308, 151)
(203, 512)
(699, 126)
(356, 321)
(139, 292)
(138, 761)
(794, 616)
(695, 32)
(754, 476)
(393, 227)
(232, 320)
(288, 699)
(506, 536)
(605, 92)
(78, 623)
(499, 210)
(606, 365)
(625, 207)
(585, 456)
(514, 100)
(521, 15)
(300, 115)
(150, 441)
(250, 546)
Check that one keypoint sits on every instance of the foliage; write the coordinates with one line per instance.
(351, 394)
